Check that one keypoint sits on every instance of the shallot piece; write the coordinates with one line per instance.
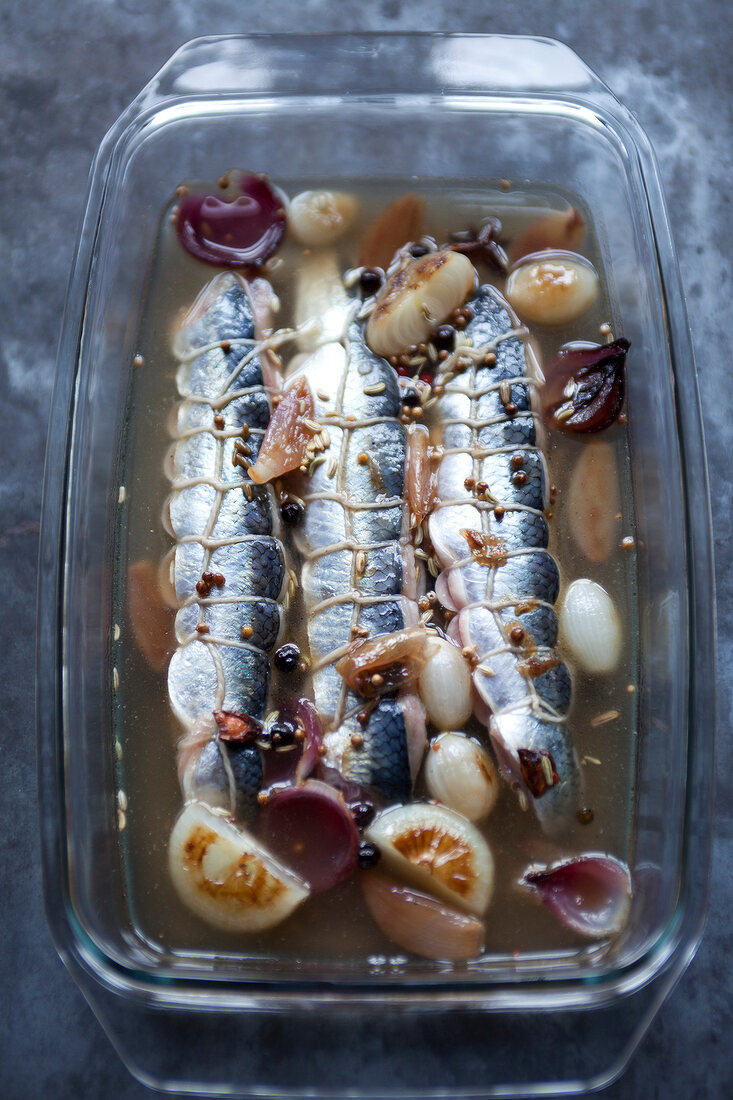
(398, 224)
(590, 894)
(149, 617)
(386, 662)
(310, 829)
(460, 774)
(584, 390)
(240, 226)
(293, 767)
(421, 476)
(590, 626)
(445, 686)
(419, 923)
(593, 500)
(563, 229)
(291, 435)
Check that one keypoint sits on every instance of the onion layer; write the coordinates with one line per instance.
(589, 894)
(419, 923)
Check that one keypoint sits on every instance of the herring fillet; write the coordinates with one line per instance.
(358, 563)
(522, 682)
(222, 524)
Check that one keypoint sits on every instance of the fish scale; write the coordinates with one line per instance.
(521, 682)
(223, 526)
(358, 571)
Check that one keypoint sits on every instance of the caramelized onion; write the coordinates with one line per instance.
(419, 923)
(386, 662)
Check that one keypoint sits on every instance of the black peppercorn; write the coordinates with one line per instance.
(363, 813)
(444, 337)
(369, 855)
(418, 250)
(287, 657)
(283, 734)
(292, 512)
(370, 282)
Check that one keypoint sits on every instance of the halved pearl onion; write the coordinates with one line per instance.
(460, 774)
(416, 298)
(419, 923)
(225, 875)
(444, 686)
(590, 626)
(593, 501)
(437, 850)
(321, 217)
(552, 288)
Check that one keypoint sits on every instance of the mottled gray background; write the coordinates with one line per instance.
(67, 69)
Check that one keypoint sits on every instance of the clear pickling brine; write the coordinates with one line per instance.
(375, 586)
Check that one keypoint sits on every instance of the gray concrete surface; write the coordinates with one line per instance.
(66, 71)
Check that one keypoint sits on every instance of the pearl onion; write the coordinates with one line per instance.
(552, 288)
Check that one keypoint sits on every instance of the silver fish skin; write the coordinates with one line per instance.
(222, 524)
(359, 567)
(524, 685)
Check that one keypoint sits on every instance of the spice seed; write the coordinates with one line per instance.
(116, 632)
(602, 719)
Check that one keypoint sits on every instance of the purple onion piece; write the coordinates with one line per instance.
(589, 894)
(310, 829)
(585, 387)
(238, 226)
(308, 715)
(294, 765)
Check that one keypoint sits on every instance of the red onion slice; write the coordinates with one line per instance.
(589, 894)
(310, 830)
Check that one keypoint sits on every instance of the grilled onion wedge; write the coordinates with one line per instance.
(437, 850)
(226, 877)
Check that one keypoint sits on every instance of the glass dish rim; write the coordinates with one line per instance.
(677, 943)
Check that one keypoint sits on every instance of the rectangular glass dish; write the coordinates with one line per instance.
(427, 111)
